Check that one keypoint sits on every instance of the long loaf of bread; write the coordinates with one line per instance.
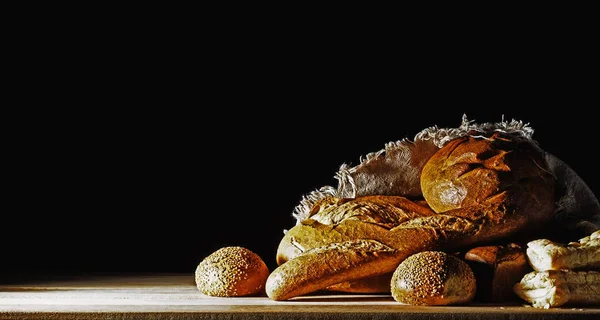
(544, 254)
(555, 288)
(351, 259)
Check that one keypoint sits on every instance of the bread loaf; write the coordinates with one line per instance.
(555, 288)
(544, 254)
(321, 267)
(433, 278)
(231, 272)
(497, 269)
(334, 220)
(491, 178)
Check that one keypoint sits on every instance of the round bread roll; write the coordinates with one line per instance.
(232, 272)
(433, 278)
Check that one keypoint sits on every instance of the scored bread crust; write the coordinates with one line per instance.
(340, 219)
(555, 288)
(544, 254)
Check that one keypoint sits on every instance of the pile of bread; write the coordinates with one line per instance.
(546, 274)
(423, 220)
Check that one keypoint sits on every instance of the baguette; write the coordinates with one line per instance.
(555, 288)
(311, 234)
(347, 260)
(544, 254)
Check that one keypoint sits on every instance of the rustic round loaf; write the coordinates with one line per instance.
(502, 177)
(231, 272)
(433, 278)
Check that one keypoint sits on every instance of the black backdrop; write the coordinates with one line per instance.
(149, 164)
(159, 190)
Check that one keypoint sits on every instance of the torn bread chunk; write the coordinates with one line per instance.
(497, 269)
(555, 288)
(544, 254)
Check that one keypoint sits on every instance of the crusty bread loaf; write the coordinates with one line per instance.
(231, 272)
(555, 288)
(544, 254)
(471, 174)
(339, 219)
(353, 259)
(497, 269)
(433, 278)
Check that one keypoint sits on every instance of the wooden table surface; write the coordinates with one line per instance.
(174, 296)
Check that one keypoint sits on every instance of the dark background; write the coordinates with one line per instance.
(149, 153)
(159, 192)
